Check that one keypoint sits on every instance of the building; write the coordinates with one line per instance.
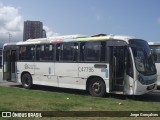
(33, 29)
(44, 34)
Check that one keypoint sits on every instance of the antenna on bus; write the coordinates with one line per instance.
(98, 35)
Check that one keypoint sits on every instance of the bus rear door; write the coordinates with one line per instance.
(9, 63)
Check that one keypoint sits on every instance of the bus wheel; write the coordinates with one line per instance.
(97, 87)
(27, 81)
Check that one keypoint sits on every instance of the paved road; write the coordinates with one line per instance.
(5, 83)
(9, 84)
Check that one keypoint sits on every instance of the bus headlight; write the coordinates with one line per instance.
(130, 85)
(141, 80)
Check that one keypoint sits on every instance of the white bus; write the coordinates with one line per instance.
(155, 48)
(100, 64)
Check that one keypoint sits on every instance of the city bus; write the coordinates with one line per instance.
(155, 48)
(99, 64)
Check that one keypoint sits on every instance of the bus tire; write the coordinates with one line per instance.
(27, 81)
(97, 87)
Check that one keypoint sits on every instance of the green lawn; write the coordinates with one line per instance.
(17, 99)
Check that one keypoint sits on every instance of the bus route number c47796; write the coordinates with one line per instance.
(85, 69)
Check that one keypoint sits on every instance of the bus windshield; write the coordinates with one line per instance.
(143, 58)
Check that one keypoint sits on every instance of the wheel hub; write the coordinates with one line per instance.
(96, 87)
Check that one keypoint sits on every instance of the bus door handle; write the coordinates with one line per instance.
(100, 66)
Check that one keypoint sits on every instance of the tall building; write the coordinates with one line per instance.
(44, 34)
(33, 29)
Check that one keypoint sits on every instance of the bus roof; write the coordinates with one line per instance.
(154, 43)
(72, 38)
(8, 44)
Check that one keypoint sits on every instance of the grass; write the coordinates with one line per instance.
(53, 99)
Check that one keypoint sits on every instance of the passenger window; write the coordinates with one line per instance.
(92, 51)
(45, 52)
(66, 51)
(26, 52)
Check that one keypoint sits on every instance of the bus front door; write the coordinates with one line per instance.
(9, 65)
(117, 68)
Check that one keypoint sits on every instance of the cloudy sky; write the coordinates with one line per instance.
(11, 23)
(140, 18)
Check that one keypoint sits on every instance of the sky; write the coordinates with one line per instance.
(139, 18)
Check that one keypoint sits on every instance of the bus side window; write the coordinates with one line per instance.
(26, 53)
(31, 51)
(58, 52)
(82, 51)
(45, 52)
(66, 51)
(38, 52)
(51, 52)
(22, 50)
(103, 52)
(75, 52)
(93, 51)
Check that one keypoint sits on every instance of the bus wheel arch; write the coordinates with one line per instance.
(26, 80)
(96, 86)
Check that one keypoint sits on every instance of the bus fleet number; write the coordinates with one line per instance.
(85, 69)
